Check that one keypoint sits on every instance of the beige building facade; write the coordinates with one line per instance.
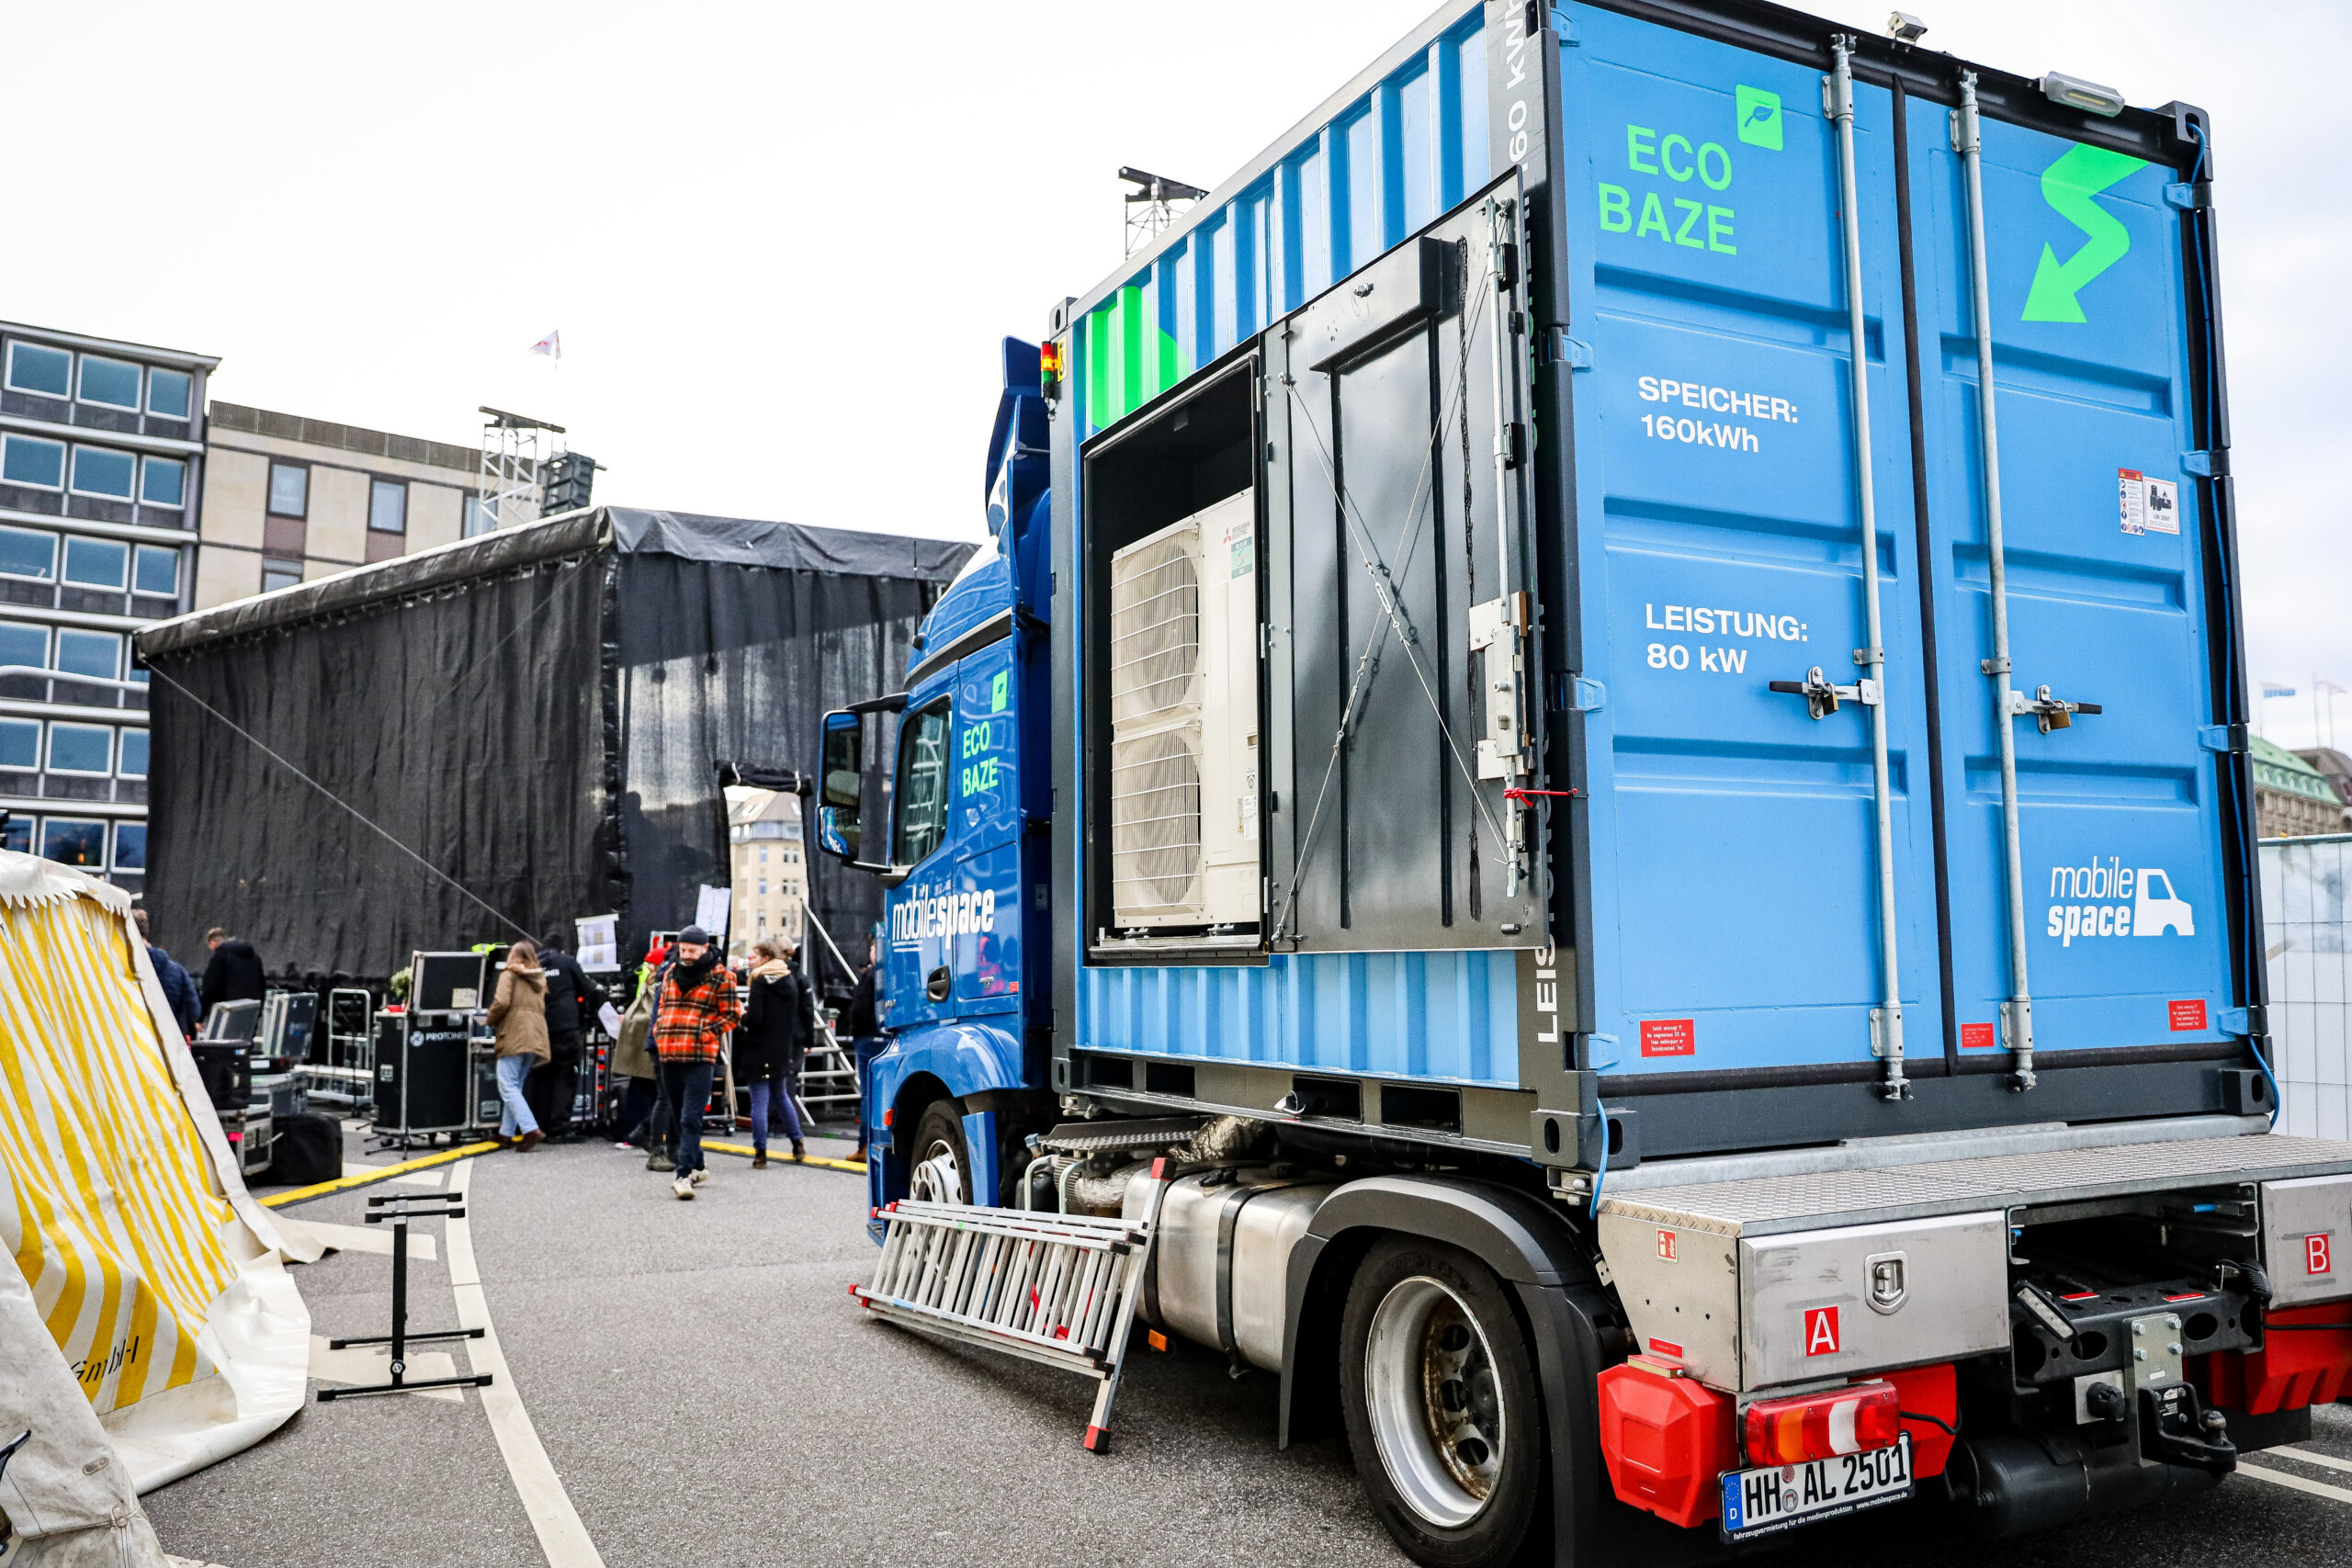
(771, 877)
(288, 500)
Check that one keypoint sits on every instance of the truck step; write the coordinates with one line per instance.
(1059, 1289)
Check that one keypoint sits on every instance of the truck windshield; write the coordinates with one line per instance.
(922, 783)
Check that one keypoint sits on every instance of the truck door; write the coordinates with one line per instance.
(915, 937)
(2109, 597)
(1735, 874)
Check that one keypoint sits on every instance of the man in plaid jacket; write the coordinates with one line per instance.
(692, 1019)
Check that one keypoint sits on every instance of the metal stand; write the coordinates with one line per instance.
(398, 1209)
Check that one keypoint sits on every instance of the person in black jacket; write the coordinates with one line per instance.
(778, 1024)
(866, 1029)
(233, 975)
(178, 990)
(573, 1001)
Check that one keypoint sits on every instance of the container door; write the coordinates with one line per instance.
(1735, 871)
(1402, 601)
(2106, 546)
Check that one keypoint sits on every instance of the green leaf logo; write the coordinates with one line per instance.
(2069, 186)
(1759, 117)
(997, 694)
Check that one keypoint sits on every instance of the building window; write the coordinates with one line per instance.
(17, 834)
(24, 553)
(169, 393)
(764, 849)
(159, 570)
(131, 846)
(110, 381)
(97, 471)
(89, 653)
(32, 368)
(164, 482)
(71, 842)
(479, 518)
(388, 506)
(289, 490)
(28, 460)
(81, 749)
(277, 574)
(95, 563)
(131, 763)
(19, 743)
(21, 644)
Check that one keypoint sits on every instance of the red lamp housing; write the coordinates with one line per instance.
(1850, 1420)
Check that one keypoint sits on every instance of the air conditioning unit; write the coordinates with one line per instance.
(1184, 723)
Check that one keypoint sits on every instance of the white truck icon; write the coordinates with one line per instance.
(2155, 909)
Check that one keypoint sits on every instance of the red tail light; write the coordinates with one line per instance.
(1848, 1420)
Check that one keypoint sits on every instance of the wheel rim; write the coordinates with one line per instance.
(1436, 1413)
(937, 1177)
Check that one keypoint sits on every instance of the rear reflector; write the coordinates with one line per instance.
(1848, 1420)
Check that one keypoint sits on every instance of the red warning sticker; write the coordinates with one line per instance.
(1979, 1036)
(2187, 1015)
(1669, 1037)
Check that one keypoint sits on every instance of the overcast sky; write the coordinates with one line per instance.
(782, 241)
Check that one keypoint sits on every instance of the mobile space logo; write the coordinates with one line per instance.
(2109, 898)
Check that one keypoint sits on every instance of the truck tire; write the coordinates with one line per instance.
(1444, 1412)
(939, 1167)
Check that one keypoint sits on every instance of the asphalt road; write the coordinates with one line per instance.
(710, 1394)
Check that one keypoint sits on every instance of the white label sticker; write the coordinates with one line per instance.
(2148, 506)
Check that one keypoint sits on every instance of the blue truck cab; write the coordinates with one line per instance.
(961, 836)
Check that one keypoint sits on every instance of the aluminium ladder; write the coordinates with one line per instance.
(1056, 1289)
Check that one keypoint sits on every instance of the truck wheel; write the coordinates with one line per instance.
(940, 1170)
(1442, 1403)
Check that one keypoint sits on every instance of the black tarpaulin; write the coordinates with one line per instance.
(537, 714)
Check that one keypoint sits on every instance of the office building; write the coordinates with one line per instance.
(2292, 799)
(289, 499)
(101, 475)
(770, 879)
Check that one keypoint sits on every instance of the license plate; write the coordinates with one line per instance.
(1780, 1496)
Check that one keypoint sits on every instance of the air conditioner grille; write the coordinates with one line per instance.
(1156, 827)
(1156, 627)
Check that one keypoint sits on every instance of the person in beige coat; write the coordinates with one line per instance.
(518, 1019)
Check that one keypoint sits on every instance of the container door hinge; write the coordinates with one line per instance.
(2213, 465)
(2190, 197)
(2233, 1021)
(2226, 739)
(1578, 693)
(1560, 348)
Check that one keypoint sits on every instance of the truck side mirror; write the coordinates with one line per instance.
(840, 829)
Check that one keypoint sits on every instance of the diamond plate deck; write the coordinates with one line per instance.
(1774, 1204)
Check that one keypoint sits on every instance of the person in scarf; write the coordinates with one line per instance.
(769, 1047)
(694, 1014)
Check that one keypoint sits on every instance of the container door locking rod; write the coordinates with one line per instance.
(1499, 627)
(2016, 1013)
(1887, 1019)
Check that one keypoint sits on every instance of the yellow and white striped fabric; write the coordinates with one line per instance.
(126, 1230)
(110, 1206)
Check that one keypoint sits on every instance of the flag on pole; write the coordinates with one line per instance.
(551, 346)
(2273, 689)
(2331, 687)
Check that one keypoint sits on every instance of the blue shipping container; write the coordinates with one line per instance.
(1644, 418)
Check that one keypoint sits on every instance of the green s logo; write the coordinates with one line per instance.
(2069, 186)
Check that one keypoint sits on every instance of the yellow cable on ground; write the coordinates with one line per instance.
(369, 1178)
(785, 1158)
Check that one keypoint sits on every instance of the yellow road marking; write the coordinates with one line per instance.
(380, 1173)
(785, 1158)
